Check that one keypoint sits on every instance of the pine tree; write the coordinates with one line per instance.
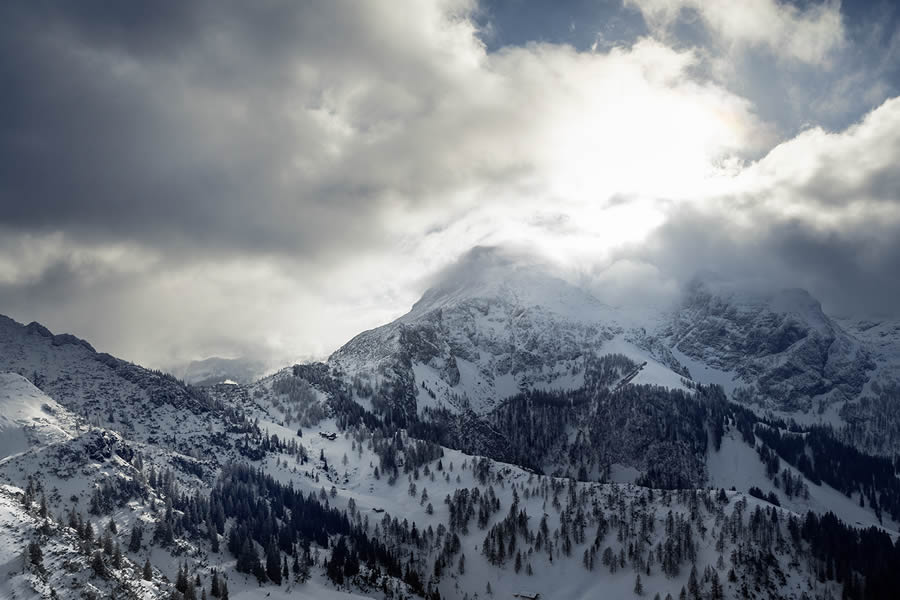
(98, 565)
(137, 532)
(213, 537)
(638, 586)
(273, 562)
(305, 566)
(248, 559)
(716, 592)
(181, 580)
(693, 585)
(35, 555)
(148, 571)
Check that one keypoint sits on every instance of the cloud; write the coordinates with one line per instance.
(181, 180)
(809, 34)
(820, 211)
(273, 165)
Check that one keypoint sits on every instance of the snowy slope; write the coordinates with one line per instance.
(28, 417)
(68, 469)
(64, 570)
(562, 577)
(737, 465)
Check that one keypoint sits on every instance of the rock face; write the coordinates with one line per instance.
(780, 343)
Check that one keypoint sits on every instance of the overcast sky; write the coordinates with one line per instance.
(187, 179)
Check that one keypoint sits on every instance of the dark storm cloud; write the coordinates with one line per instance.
(851, 270)
(90, 141)
(174, 124)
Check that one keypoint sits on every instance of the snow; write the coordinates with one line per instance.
(653, 373)
(737, 464)
(623, 473)
(246, 588)
(26, 412)
(11, 518)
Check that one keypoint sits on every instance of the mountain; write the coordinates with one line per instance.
(779, 344)
(494, 327)
(70, 370)
(511, 436)
(508, 360)
(215, 369)
(487, 331)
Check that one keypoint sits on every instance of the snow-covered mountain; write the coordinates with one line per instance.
(488, 331)
(69, 370)
(511, 436)
(493, 328)
(780, 344)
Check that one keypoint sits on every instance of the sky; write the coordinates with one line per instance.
(181, 180)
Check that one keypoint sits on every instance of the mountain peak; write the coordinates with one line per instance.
(512, 276)
(750, 298)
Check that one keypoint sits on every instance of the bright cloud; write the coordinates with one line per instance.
(809, 34)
